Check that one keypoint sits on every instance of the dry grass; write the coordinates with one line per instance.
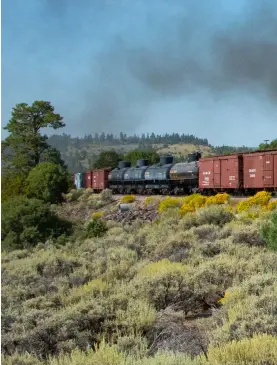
(181, 149)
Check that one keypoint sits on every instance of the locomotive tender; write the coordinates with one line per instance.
(237, 174)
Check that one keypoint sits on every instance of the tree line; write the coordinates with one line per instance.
(64, 141)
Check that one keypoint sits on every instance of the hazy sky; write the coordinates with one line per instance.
(207, 68)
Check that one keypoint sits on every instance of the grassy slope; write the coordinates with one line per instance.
(181, 149)
(145, 288)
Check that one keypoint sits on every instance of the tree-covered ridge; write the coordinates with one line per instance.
(64, 141)
(83, 153)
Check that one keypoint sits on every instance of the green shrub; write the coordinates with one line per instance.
(214, 214)
(138, 316)
(47, 182)
(96, 228)
(12, 185)
(269, 232)
(20, 359)
(259, 350)
(106, 195)
(26, 222)
(248, 235)
(163, 283)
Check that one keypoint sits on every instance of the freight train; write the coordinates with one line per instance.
(242, 173)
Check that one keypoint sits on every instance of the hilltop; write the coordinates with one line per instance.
(81, 153)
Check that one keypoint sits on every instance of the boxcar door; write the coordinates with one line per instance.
(217, 170)
(268, 163)
(275, 170)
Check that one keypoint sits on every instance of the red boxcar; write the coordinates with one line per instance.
(221, 172)
(100, 179)
(88, 179)
(260, 170)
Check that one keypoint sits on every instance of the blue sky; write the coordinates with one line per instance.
(144, 65)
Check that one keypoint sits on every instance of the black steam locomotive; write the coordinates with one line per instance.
(161, 178)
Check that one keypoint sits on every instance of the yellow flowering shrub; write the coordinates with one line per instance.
(170, 202)
(260, 199)
(218, 199)
(272, 205)
(194, 198)
(192, 202)
(128, 199)
(187, 208)
(97, 215)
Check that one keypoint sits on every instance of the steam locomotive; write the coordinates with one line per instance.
(161, 178)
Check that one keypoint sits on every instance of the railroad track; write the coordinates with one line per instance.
(142, 197)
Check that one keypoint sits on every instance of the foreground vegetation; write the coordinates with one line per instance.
(196, 285)
(194, 288)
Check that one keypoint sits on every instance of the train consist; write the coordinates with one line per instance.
(242, 173)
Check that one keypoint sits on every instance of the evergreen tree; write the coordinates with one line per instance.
(25, 143)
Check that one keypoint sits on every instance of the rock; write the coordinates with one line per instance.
(146, 215)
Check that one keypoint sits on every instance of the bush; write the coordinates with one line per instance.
(26, 222)
(138, 316)
(13, 185)
(169, 203)
(261, 199)
(195, 200)
(269, 232)
(248, 235)
(20, 359)
(47, 182)
(186, 208)
(261, 349)
(214, 214)
(74, 195)
(96, 228)
(218, 199)
(163, 283)
(128, 199)
(106, 195)
(272, 205)
(97, 215)
(192, 202)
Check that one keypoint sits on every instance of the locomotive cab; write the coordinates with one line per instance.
(185, 174)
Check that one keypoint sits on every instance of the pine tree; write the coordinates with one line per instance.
(25, 144)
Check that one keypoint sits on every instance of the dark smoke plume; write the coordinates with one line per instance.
(241, 57)
(188, 53)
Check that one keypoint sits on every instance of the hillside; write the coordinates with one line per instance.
(178, 280)
(81, 153)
